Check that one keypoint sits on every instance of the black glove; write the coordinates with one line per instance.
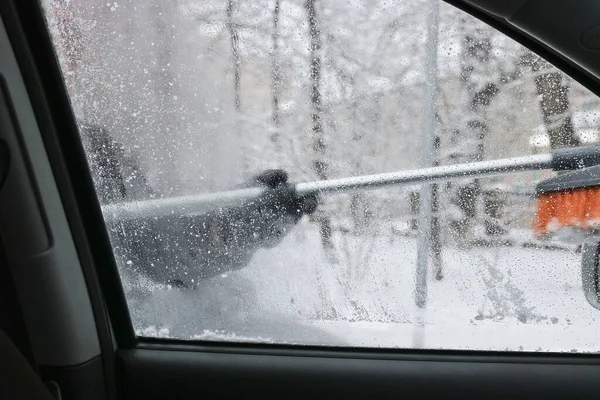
(261, 222)
(225, 240)
(264, 222)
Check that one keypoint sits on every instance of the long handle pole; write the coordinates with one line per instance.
(197, 204)
(429, 175)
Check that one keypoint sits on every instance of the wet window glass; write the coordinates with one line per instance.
(336, 173)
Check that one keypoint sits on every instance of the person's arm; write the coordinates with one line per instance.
(184, 248)
(226, 239)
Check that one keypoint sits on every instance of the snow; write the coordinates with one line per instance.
(498, 298)
(229, 337)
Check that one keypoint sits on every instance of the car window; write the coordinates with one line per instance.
(198, 117)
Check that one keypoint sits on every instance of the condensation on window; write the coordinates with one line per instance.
(200, 117)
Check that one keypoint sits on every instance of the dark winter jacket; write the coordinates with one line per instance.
(184, 249)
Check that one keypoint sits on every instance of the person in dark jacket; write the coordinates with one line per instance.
(182, 250)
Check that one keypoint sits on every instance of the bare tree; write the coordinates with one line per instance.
(480, 89)
(275, 73)
(165, 88)
(236, 59)
(318, 141)
(235, 55)
(552, 89)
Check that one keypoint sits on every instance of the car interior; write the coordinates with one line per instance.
(65, 327)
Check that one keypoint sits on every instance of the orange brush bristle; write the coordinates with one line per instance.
(569, 200)
(574, 207)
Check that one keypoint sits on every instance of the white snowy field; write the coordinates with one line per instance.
(496, 298)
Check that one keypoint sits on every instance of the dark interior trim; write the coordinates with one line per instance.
(28, 34)
(11, 316)
(32, 45)
(369, 353)
(149, 374)
(77, 382)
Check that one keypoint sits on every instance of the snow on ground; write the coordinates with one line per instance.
(496, 298)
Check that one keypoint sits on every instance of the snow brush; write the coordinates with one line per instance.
(568, 200)
(558, 160)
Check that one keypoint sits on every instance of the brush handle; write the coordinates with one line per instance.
(571, 158)
(198, 204)
(558, 160)
(440, 173)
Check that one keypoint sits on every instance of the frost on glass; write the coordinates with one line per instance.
(184, 98)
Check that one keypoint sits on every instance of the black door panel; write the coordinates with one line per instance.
(159, 374)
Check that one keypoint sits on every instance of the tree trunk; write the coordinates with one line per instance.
(275, 74)
(474, 129)
(318, 142)
(235, 56)
(436, 239)
(165, 85)
(236, 59)
(553, 91)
